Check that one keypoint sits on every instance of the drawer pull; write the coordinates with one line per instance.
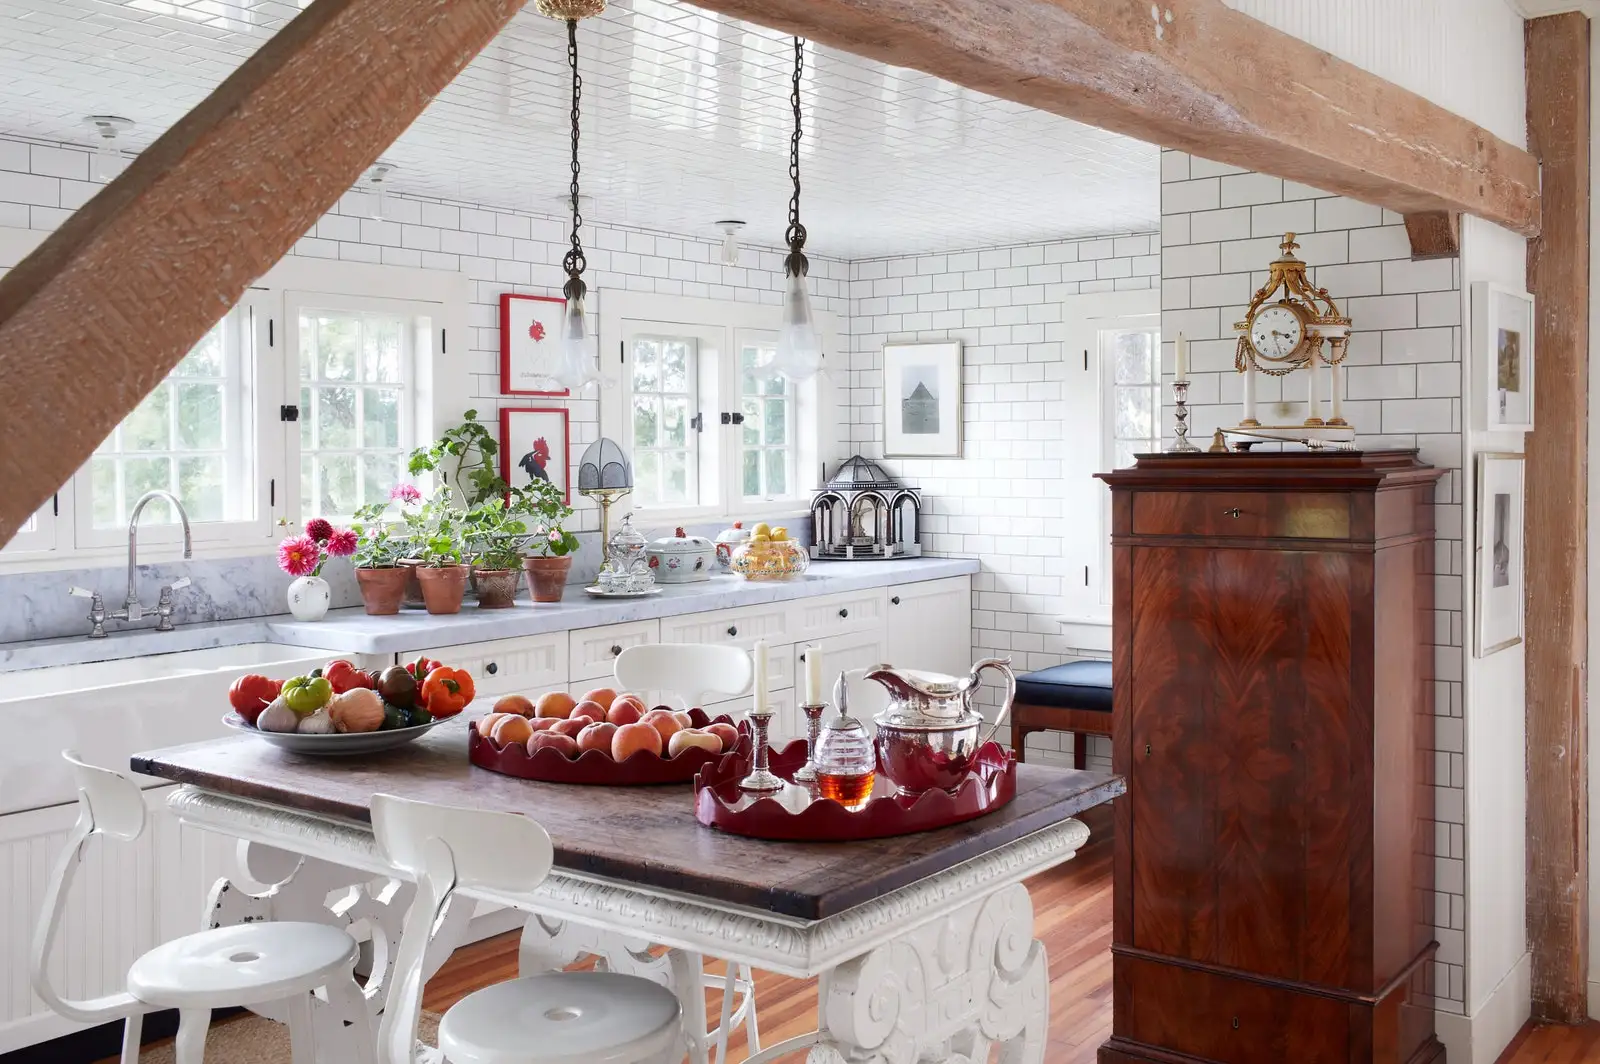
(733, 629)
(895, 601)
(1234, 513)
(491, 668)
(844, 613)
(1236, 1023)
(616, 648)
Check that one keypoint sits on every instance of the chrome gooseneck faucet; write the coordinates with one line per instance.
(131, 609)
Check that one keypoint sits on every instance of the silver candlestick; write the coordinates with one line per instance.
(761, 779)
(1180, 401)
(807, 773)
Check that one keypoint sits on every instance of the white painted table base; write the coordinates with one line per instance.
(941, 970)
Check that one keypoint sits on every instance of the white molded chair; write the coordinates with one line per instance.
(252, 964)
(554, 1018)
(685, 671)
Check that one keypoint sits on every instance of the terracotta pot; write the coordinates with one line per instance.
(383, 589)
(442, 587)
(413, 592)
(497, 588)
(547, 577)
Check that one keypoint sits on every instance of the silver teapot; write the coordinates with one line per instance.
(929, 734)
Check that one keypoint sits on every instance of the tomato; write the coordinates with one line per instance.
(420, 668)
(447, 691)
(251, 694)
(346, 677)
(307, 694)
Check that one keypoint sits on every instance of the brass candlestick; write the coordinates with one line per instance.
(807, 773)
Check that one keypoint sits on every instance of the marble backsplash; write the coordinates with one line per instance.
(37, 606)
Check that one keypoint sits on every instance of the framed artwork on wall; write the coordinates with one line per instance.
(1503, 356)
(922, 400)
(1500, 552)
(533, 446)
(530, 328)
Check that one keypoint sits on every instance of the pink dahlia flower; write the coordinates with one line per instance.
(319, 529)
(299, 555)
(343, 543)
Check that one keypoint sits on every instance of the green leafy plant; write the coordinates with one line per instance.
(548, 513)
(436, 530)
(495, 534)
(464, 456)
(381, 544)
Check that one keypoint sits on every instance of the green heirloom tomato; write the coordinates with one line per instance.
(307, 694)
(395, 717)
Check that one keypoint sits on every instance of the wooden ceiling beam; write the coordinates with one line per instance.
(1207, 80)
(103, 309)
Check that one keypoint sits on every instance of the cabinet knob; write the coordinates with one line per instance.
(491, 668)
(616, 649)
(733, 629)
(1234, 513)
(1236, 1023)
(895, 601)
(844, 613)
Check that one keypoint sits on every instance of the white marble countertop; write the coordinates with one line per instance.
(351, 631)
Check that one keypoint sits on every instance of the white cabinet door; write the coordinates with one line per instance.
(785, 714)
(852, 652)
(739, 627)
(594, 650)
(855, 611)
(929, 626)
(530, 665)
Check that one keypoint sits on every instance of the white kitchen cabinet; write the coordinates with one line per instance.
(534, 663)
(594, 651)
(929, 626)
(739, 627)
(852, 653)
(829, 615)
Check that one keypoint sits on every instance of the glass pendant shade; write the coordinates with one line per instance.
(580, 363)
(799, 354)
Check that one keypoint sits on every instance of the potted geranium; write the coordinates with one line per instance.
(303, 557)
(436, 537)
(549, 557)
(378, 553)
(496, 536)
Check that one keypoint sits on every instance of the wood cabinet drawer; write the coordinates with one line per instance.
(1251, 514)
(739, 627)
(529, 665)
(594, 650)
(1228, 1020)
(853, 612)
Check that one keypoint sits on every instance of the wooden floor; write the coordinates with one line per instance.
(1555, 1045)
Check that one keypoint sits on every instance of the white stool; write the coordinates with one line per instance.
(686, 671)
(249, 965)
(556, 1018)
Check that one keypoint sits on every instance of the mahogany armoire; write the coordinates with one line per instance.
(1273, 655)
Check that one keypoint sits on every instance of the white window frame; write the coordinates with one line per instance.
(440, 397)
(621, 315)
(703, 445)
(765, 337)
(1146, 323)
(1086, 591)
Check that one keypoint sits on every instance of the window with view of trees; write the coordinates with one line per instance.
(354, 407)
(767, 451)
(664, 394)
(1132, 361)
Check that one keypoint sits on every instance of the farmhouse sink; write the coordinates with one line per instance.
(108, 710)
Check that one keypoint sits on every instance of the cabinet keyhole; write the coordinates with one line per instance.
(1146, 749)
(1236, 1023)
(1234, 513)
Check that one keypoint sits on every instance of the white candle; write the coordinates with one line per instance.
(1180, 359)
(761, 676)
(1249, 393)
(813, 676)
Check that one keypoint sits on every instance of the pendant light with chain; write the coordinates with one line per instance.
(799, 352)
(579, 359)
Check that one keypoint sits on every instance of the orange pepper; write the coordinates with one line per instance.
(447, 691)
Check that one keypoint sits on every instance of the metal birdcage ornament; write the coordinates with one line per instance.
(864, 514)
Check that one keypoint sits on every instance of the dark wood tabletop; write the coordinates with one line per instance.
(644, 835)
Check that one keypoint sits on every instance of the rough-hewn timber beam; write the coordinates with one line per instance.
(1557, 523)
(92, 320)
(1434, 235)
(1214, 82)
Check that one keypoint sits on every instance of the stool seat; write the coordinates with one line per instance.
(562, 1018)
(245, 965)
(1075, 685)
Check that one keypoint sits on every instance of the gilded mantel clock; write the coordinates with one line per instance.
(1292, 325)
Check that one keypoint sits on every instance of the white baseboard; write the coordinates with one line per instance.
(1483, 1036)
(1594, 999)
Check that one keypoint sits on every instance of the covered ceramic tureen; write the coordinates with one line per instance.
(727, 541)
(681, 558)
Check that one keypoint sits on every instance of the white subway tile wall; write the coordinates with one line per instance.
(500, 250)
(1402, 389)
(1002, 502)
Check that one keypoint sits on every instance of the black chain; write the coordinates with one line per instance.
(574, 262)
(796, 263)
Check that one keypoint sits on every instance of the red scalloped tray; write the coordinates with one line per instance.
(593, 767)
(799, 814)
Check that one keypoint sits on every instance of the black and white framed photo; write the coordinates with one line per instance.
(922, 400)
(1500, 552)
(1503, 356)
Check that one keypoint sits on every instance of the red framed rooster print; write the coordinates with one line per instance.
(530, 329)
(534, 446)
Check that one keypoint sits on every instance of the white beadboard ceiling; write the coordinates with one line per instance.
(686, 121)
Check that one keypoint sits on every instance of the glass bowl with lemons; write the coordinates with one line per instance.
(769, 554)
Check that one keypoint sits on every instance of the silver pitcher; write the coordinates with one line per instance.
(930, 732)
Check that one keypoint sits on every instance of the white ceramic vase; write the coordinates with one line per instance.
(309, 597)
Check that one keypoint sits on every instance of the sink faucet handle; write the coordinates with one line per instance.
(164, 605)
(97, 610)
(181, 582)
(81, 592)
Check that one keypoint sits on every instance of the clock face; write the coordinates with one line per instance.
(1276, 331)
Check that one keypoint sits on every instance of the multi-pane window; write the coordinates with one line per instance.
(1132, 362)
(664, 381)
(767, 451)
(188, 436)
(354, 407)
